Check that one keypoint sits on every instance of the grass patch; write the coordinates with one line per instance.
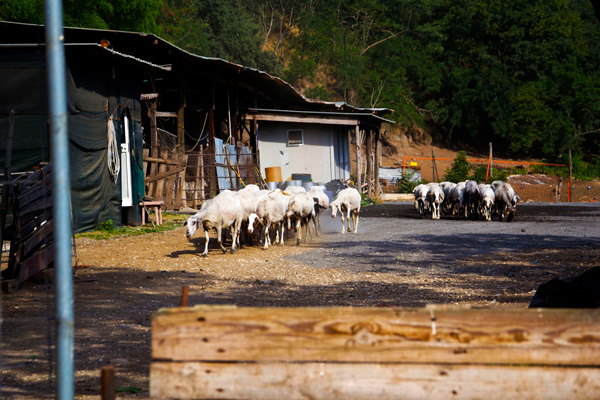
(106, 230)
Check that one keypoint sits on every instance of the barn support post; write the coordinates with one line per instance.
(57, 109)
(369, 154)
(153, 145)
(180, 118)
(211, 152)
(358, 160)
(377, 161)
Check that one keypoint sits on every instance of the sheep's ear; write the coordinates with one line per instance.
(185, 223)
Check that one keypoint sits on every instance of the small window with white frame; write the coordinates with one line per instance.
(295, 137)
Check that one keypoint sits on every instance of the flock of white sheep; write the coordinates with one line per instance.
(467, 198)
(254, 210)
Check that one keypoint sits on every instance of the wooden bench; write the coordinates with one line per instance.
(156, 206)
(222, 352)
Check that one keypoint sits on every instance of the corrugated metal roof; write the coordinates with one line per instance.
(158, 53)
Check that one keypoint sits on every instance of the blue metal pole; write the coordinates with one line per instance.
(57, 104)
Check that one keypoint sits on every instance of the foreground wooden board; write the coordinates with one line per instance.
(348, 381)
(343, 334)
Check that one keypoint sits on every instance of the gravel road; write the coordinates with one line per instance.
(393, 237)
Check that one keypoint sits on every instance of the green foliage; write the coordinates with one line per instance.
(460, 169)
(368, 201)
(479, 174)
(217, 28)
(591, 169)
(129, 15)
(106, 230)
(106, 226)
(499, 175)
(407, 184)
(523, 75)
(583, 170)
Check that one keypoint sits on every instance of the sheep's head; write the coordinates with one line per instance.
(253, 222)
(192, 226)
(334, 208)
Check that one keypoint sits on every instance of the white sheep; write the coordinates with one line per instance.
(221, 212)
(435, 197)
(322, 203)
(301, 208)
(486, 201)
(348, 200)
(420, 192)
(270, 210)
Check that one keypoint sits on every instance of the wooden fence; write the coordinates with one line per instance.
(32, 244)
(222, 352)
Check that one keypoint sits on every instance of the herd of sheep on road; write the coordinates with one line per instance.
(251, 210)
(467, 198)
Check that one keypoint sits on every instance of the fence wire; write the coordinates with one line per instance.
(206, 175)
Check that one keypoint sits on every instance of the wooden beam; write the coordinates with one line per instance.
(166, 114)
(163, 174)
(300, 381)
(307, 120)
(358, 158)
(369, 163)
(148, 96)
(377, 160)
(181, 117)
(225, 352)
(164, 161)
(153, 144)
(346, 334)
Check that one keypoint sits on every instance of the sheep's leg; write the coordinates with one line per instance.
(308, 230)
(349, 212)
(315, 219)
(298, 231)
(318, 222)
(236, 228)
(266, 246)
(220, 240)
(205, 254)
(343, 230)
(356, 223)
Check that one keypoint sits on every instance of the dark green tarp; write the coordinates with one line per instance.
(97, 88)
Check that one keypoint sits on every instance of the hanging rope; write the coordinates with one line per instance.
(114, 163)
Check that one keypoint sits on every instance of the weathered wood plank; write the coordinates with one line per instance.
(166, 114)
(32, 220)
(163, 174)
(331, 381)
(27, 180)
(34, 193)
(39, 205)
(432, 335)
(164, 161)
(39, 237)
(36, 263)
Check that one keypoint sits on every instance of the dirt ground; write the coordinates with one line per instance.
(396, 260)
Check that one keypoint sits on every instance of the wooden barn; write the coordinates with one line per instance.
(188, 126)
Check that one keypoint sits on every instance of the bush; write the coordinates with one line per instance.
(106, 226)
(460, 169)
(407, 184)
(499, 175)
(479, 174)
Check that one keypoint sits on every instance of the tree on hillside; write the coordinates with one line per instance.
(517, 73)
(216, 28)
(127, 15)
